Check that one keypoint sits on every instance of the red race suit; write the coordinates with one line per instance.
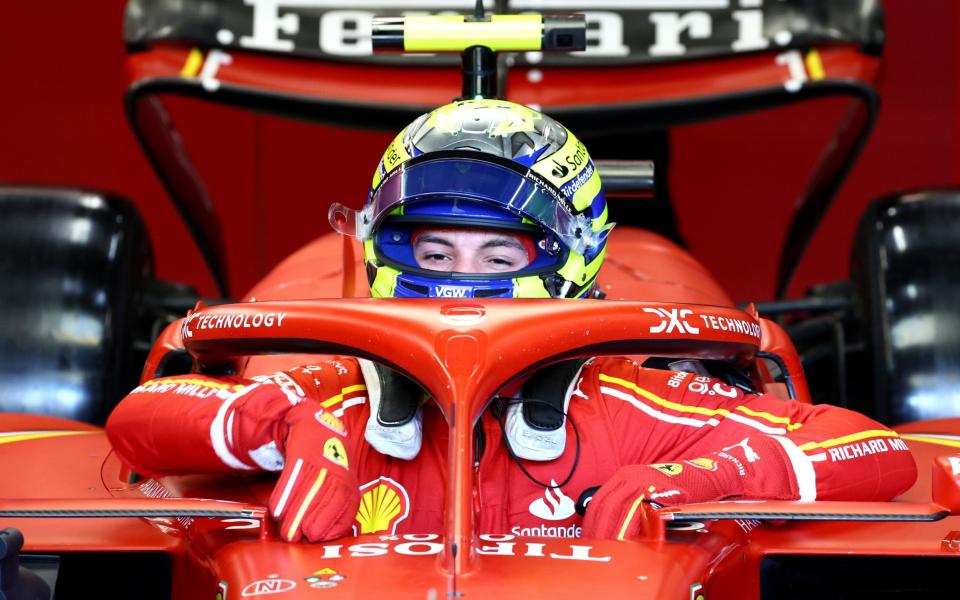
(654, 435)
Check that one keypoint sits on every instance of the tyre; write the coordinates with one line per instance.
(906, 270)
(73, 266)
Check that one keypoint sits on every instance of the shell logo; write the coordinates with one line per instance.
(383, 504)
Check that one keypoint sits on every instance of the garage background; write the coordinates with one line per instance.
(733, 181)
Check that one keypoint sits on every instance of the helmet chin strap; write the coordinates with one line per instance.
(535, 430)
(395, 426)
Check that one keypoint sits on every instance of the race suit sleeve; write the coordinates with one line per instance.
(195, 423)
(686, 438)
(201, 424)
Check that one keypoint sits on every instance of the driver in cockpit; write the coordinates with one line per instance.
(490, 199)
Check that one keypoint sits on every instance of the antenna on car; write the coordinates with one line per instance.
(478, 38)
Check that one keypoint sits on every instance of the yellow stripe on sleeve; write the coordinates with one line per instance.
(769, 417)
(339, 397)
(853, 437)
(700, 410)
(709, 412)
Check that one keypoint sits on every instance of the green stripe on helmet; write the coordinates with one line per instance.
(369, 256)
(584, 197)
(593, 267)
(574, 269)
(529, 287)
(384, 283)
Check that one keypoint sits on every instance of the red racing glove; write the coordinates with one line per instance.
(317, 496)
(615, 510)
(277, 424)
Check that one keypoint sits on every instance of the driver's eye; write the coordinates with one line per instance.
(501, 262)
(435, 260)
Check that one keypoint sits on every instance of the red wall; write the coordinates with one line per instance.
(61, 122)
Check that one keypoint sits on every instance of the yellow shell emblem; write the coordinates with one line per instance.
(383, 504)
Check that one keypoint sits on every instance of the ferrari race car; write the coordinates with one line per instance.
(78, 523)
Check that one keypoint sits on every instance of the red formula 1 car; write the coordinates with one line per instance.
(80, 521)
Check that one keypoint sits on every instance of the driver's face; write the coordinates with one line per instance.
(469, 251)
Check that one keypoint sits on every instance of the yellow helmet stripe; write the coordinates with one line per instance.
(591, 269)
(385, 283)
(574, 269)
(584, 197)
(601, 221)
(529, 287)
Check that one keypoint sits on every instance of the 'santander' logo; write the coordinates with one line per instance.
(560, 506)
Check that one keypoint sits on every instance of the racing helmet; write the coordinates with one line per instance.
(484, 164)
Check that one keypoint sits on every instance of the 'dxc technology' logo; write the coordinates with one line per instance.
(673, 319)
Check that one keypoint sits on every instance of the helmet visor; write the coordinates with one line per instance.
(471, 180)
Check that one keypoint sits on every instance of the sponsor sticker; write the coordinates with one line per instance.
(573, 186)
(749, 453)
(676, 380)
(384, 503)
(271, 585)
(548, 531)
(664, 494)
(324, 579)
(334, 451)
(672, 319)
(242, 320)
(451, 291)
(669, 469)
(747, 525)
(868, 447)
(638, 31)
(554, 505)
(703, 463)
(565, 164)
(395, 154)
(330, 421)
(686, 322)
(429, 544)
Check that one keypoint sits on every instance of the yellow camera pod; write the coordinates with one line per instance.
(499, 33)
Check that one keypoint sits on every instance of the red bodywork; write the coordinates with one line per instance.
(463, 351)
